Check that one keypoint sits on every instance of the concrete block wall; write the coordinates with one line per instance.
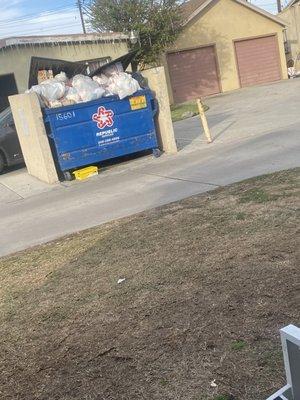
(32, 135)
(157, 82)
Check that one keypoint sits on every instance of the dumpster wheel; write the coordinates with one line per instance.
(67, 176)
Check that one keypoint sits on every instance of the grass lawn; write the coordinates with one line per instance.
(177, 110)
(209, 282)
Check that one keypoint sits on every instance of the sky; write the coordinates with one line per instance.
(38, 17)
(43, 17)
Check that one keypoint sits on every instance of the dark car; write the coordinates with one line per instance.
(10, 150)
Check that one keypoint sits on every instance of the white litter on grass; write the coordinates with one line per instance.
(121, 280)
(213, 383)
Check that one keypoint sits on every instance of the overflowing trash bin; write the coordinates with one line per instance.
(98, 130)
(92, 117)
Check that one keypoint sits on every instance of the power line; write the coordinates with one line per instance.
(32, 15)
(32, 20)
(10, 26)
(48, 29)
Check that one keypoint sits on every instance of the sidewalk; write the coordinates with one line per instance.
(33, 213)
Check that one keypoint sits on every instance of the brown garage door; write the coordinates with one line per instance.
(258, 60)
(193, 73)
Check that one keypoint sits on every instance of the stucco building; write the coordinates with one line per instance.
(291, 16)
(224, 45)
(16, 53)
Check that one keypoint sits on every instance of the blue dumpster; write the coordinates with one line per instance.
(87, 133)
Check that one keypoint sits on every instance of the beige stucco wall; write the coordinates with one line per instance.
(156, 78)
(291, 16)
(32, 135)
(17, 60)
(223, 22)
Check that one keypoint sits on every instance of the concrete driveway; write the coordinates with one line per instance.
(256, 131)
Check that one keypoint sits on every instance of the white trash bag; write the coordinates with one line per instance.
(123, 85)
(102, 80)
(61, 77)
(72, 94)
(87, 88)
(116, 68)
(51, 90)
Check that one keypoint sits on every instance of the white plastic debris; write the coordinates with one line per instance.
(121, 280)
(51, 91)
(116, 68)
(102, 80)
(213, 384)
(72, 94)
(61, 77)
(98, 93)
(87, 88)
(123, 85)
(60, 91)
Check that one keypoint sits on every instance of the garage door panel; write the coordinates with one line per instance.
(193, 73)
(258, 60)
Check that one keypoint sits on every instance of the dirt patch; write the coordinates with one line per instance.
(209, 281)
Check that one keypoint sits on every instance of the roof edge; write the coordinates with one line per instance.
(197, 11)
(16, 41)
(290, 4)
(262, 12)
(252, 7)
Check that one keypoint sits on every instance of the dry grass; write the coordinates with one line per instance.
(178, 110)
(209, 281)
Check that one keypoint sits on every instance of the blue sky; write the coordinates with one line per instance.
(38, 17)
(42, 17)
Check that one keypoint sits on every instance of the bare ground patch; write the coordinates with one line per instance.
(209, 282)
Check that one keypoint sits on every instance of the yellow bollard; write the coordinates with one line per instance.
(204, 121)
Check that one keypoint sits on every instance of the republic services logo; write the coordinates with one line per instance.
(103, 117)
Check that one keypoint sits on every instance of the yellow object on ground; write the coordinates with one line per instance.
(85, 173)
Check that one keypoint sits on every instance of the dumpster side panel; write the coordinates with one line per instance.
(102, 129)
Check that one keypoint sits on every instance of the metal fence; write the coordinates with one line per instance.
(290, 340)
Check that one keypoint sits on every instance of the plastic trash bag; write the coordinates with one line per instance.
(98, 93)
(102, 80)
(123, 85)
(61, 77)
(51, 90)
(87, 88)
(72, 94)
(116, 68)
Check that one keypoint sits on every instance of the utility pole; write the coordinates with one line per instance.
(279, 6)
(81, 15)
